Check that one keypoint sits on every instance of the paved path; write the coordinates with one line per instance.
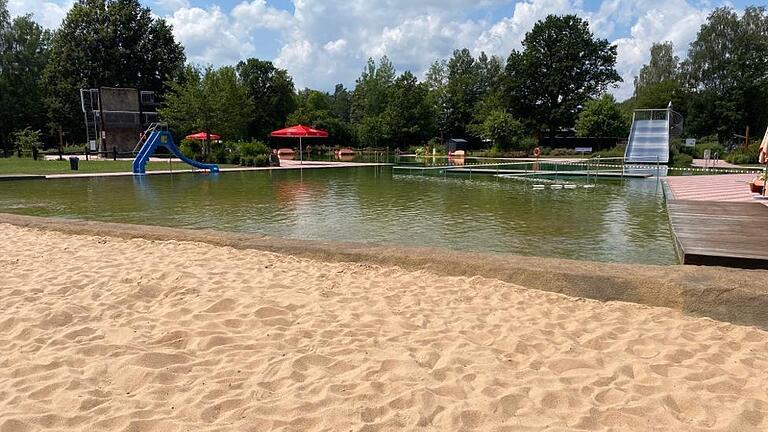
(716, 188)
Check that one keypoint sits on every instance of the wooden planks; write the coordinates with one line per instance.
(731, 234)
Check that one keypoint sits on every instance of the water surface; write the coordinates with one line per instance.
(618, 221)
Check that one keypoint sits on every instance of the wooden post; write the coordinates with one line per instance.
(114, 152)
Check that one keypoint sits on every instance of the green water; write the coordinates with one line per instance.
(619, 221)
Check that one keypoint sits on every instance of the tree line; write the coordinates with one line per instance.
(558, 81)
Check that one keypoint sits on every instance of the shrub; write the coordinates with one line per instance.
(562, 152)
(741, 155)
(28, 140)
(255, 161)
(617, 151)
(253, 148)
(192, 149)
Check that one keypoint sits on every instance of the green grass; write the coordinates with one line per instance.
(15, 165)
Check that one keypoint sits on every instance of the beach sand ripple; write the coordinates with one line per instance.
(135, 335)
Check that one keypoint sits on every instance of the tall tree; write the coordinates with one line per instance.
(23, 56)
(342, 103)
(107, 43)
(370, 99)
(602, 117)
(436, 82)
(272, 93)
(409, 115)
(727, 70)
(462, 91)
(316, 109)
(211, 100)
(562, 65)
(659, 81)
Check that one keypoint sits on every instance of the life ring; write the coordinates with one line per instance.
(537, 152)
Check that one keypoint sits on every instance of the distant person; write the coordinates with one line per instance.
(274, 160)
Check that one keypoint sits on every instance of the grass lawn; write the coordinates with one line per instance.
(15, 165)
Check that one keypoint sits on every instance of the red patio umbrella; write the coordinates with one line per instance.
(300, 131)
(201, 136)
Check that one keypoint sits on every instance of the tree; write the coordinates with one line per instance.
(562, 65)
(272, 93)
(462, 91)
(602, 117)
(342, 103)
(107, 43)
(211, 100)
(370, 100)
(504, 131)
(409, 116)
(436, 82)
(316, 109)
(659, 81)
(23, 56)
(727, 73)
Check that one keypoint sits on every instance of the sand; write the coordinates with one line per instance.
(101, 333)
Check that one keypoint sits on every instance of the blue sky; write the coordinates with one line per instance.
(324, 42)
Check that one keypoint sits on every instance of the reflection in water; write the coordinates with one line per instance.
(615, 221)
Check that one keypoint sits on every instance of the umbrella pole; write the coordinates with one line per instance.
(301, 153)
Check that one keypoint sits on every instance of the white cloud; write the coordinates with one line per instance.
(49, 14)
(323, 42)
(667, 20)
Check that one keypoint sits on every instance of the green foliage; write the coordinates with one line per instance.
(272, 95)
(725, 70)
(114, 43)
(602, 117)
(562, 65)
(698, 151)
(253, 148)
(617, 151)
(23, 56)
(409, 117)
(255, 161)
(28, 140)
(745, 155)
(679, 159)
(192, 149)
(504, 131)
(211, 100)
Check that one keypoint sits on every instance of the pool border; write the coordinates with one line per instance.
(734, 295)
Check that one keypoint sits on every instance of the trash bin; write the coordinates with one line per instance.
(74, 163)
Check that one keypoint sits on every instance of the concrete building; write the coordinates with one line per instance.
(115, 117)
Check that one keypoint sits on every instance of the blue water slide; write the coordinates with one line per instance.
(162, 138)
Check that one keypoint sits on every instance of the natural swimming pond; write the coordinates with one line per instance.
(617, 220)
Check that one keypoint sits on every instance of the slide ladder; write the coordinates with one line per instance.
(158, 136)
(650, 135)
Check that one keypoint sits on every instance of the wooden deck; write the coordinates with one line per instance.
(730, 234)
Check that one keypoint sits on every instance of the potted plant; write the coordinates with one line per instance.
(758, 183)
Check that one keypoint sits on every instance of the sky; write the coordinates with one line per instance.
(324, 42)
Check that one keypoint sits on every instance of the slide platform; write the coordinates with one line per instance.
(162, 138)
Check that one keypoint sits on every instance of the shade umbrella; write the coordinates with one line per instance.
(299, 131)
(202, 136)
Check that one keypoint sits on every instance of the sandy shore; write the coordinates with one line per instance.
(101, 333)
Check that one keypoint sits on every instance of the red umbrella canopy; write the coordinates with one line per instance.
(202, 136)
(300, 131)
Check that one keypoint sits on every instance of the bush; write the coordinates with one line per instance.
(192, 149)
(698, 151)
(29, 141)
(617, 151)
(253, 148)
(741, 155)
(678, 159)
(255, 161)
(562, 152)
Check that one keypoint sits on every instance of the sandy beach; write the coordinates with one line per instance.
(101, 333)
